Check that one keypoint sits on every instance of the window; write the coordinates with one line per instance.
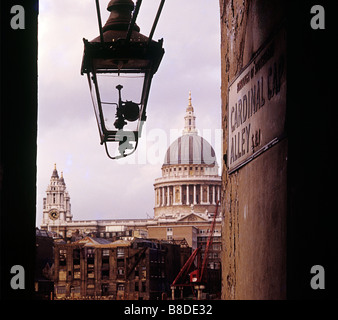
(120, 287)
(75, 290)
(90, 256)
(105, 264)
(90, 253)
(143, 287)
(210, 265)
(120, 252)
(76, 257)
(61, 289)
(120, 271)
(105, 289)
(120, 263)
(105, 274)
(90, 273)
(62, 275)
(136, 286)
(144, 272)
(62, 257)
(105, 253)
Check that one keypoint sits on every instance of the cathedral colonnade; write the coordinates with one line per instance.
(187, 194)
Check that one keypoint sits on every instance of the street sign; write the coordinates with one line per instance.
(257, 104)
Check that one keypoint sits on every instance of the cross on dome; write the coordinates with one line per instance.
(189, 118)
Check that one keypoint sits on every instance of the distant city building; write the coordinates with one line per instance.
(185, 201)
(96, 268)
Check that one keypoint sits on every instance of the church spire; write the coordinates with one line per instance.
(189, 118)
(62, 180)
(55, 172)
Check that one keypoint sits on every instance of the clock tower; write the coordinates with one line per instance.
(56, 205)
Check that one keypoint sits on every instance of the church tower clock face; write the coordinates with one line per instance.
(54, 214)
(56, 204)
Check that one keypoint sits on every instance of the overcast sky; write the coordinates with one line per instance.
(101, 188)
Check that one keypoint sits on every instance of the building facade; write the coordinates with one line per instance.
(120, 270)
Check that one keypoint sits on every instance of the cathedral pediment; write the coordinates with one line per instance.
(192, 217)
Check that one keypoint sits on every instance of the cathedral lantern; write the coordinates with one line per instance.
(120, 64)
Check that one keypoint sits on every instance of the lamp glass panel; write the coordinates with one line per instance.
(132, 91)
(96, 105)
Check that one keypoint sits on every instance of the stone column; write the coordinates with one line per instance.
(181, 196)
(201, 194)
(158, 197)
(188, 200)
(163, 197)
(213, 195)
(208, 197)
(194, 193)
(168, 196)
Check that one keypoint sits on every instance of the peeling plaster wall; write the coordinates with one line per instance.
(254, 198)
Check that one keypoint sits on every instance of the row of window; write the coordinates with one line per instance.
(116, 234)
(201, 231)
(104, 288)
(91, 264)
(185, 168)
(104, 273)
(169, 229)
(90, 253)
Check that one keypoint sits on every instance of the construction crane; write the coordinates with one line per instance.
(198, 276)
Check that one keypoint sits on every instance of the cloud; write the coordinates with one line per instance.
(101, 188)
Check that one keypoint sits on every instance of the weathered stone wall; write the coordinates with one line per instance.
(254, 197)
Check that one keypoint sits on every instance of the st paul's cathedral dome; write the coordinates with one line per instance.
(190, 182)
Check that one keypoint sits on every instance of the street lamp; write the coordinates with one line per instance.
(120, 64)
